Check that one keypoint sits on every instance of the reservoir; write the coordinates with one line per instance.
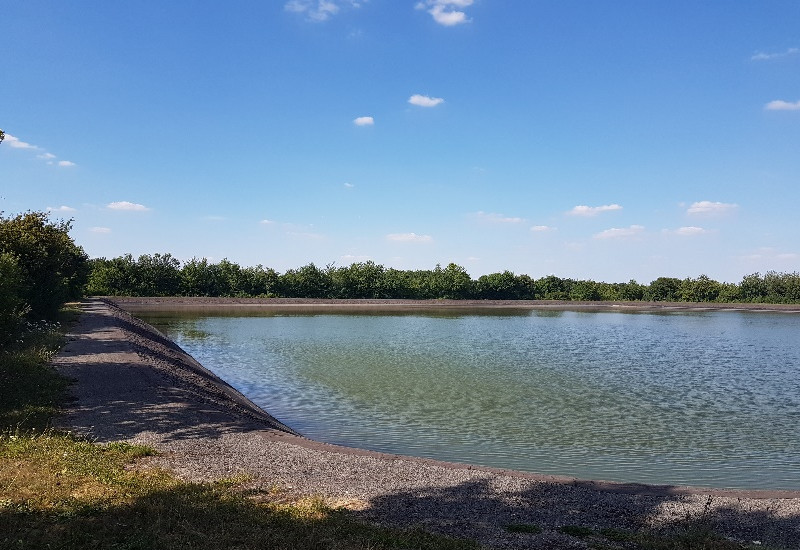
(703, 398)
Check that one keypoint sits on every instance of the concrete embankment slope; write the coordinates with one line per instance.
(133, 384)
(130, 379)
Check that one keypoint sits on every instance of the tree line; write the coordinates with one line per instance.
(41, 268)
(164, 275)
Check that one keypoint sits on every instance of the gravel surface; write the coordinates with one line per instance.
(134, 384)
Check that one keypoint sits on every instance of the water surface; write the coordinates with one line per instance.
(701, 398)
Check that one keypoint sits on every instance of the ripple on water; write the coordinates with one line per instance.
(698, 398)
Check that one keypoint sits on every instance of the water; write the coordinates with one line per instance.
(698, 398)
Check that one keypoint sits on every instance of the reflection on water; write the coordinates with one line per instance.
(700, 398)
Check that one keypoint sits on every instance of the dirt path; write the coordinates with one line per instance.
(133, 384)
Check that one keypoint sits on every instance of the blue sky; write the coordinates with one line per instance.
(600, 140)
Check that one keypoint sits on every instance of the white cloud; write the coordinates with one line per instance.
(497, 218)
(446, 12)
(542, 228)
(100, 230)
(770, 56)
(61, 209)
(780, 105)
(364, 121)
(314, 10)
(129, 206)
(266, 222)
(620, 232)
(711, 208)
(425, 101)
(688, 231)
(583, 210)
(15, 143)
(349, 185)
(770, 254)
(409, 238)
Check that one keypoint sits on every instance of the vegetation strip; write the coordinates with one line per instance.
(164, 275)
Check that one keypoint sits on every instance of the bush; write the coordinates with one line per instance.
(53, 268)
(12, 304)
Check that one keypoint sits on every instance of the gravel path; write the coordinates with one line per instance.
(133, 384)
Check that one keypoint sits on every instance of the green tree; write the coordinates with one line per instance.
(12, 302)
(308, 281)
(157, 275)
(452, 282)
(585, 291)
(702, 289)
(114, 277)
(553, 288)
(663, 289)
(259, 281)
(2, 136)
(53, 266)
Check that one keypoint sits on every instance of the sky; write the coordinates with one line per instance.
(592, 140)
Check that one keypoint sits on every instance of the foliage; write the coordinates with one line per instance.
(163, 275)
(12, 302)
(53, 268)
(30, 389)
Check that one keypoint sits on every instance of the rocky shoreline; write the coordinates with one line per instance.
(134, 384)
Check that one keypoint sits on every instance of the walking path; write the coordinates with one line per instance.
(134, 384)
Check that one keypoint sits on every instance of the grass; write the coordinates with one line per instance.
(58, 491)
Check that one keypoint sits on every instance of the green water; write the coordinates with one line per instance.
(699, 398)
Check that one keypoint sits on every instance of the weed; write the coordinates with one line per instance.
(576, 531)
(523, 528)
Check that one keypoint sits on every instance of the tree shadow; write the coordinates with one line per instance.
(517, 514)
(199, 516)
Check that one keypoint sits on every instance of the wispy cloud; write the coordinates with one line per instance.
(16, 143)
(688, 231)
(446, 12)
(425, 101)
(61, 209)
(127, 206)
(492, 217)
(583, 210)
(314, 10)
(761, 56)
(711, 208)
(780, 105)
(770, 254)
(409, 238)
(100, 230)
(267, 222)
(542, 228)
(620, 232)
(349, 185)
(364, 121)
